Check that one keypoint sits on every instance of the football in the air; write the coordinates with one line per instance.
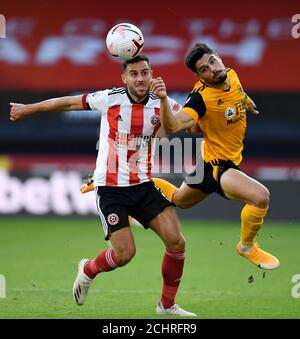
(125, 41)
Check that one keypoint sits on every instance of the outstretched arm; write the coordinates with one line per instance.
(171, 123)
(250, 105)
(69, 103)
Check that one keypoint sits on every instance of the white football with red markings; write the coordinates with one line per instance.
(125, 41)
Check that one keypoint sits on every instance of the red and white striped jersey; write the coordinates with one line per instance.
(127, 136)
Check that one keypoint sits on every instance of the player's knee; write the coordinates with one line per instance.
(186, 204)
(124, 257)
(263, 197)
(177, 245)
(176, 200)
(182, 203)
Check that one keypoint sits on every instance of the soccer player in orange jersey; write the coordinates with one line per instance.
(217, 105)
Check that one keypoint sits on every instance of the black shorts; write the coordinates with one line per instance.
(143, 202)
(212, 174)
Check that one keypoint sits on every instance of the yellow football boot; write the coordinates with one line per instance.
(87, 185)
(260, 258)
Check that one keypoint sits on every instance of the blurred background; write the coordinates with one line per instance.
(57, 48)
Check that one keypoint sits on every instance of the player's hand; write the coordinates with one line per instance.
(251, 107)
(87, 185)
(18, 111)
(158, 87)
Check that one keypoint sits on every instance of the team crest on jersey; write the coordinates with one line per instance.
(230, 113)
(113, 219)
(155, 120)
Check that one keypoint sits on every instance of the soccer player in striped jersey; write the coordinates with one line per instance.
(130, 122)
(217, 105)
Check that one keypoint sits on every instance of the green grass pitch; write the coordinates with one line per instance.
(39, 256)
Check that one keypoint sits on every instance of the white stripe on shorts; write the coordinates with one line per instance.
(101, 215)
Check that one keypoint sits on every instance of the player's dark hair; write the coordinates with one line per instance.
(195, 54)
(138, 58)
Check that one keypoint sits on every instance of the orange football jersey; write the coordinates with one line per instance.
(221, 115)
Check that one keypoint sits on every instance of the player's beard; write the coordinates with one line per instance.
(221, 79)
(141, 94)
